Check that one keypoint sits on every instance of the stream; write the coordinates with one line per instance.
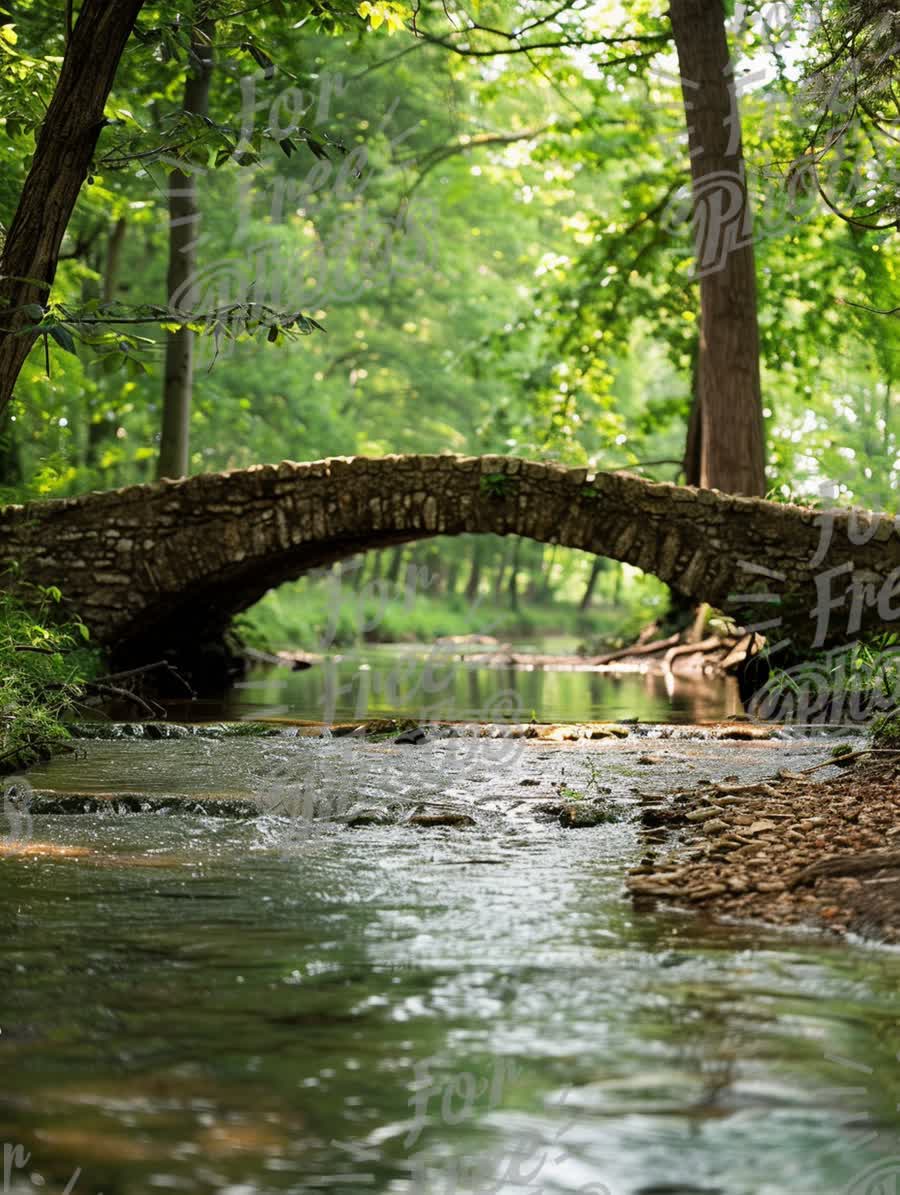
(440, 682)
(286, 1002)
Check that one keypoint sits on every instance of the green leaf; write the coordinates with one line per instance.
(317, 147)
(260, 57)
(63, 338)
(110, 362)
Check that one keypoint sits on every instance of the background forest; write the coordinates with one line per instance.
(482, 220)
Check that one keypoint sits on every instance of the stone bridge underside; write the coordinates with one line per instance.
(161, 568)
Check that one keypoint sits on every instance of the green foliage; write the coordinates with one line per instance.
(498, 485)
(304, 617)
(43, 661)
(491, 244)
(851, 684)
(592, 790)
(886, 731)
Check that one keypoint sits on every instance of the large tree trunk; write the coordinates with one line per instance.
(184, 220)
(62, 157)
(728, 386)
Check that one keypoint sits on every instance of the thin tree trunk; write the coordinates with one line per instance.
(367, 575)
(113, 259)
(393, 573)
(728, 383)
(474, 582)
(98, 428)
(545, 593)
(513, 586)
(439, 574)
(11, 472)
(500, 575)
(586, 598)
(693, 443)
(62, 157)
(184, 218)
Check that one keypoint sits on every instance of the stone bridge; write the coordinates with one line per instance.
(156, 569)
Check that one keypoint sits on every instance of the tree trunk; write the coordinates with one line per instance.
(586, 598)
(513, 587)
(693, 454)
(113, 259)
(184, 220)
(98, 427)
(545, 593)
(728, 385)
(500, 575)
(62, 157)
(11, 472)
(393, 573)
(474, 582)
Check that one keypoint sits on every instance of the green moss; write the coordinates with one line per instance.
(498, 485)
(886, 731)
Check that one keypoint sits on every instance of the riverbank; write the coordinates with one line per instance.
(791, 851)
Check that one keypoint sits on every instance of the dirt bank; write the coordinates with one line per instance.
(795, 850)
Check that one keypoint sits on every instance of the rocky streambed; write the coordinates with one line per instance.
(732, 821)
(790, 850)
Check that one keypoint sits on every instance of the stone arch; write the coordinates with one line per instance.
(166, 566)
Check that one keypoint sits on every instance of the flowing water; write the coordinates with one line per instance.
(286, 1003)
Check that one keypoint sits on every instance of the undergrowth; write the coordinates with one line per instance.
(44, 659)
(314, 618)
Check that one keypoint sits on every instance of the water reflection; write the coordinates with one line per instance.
(388, 681)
